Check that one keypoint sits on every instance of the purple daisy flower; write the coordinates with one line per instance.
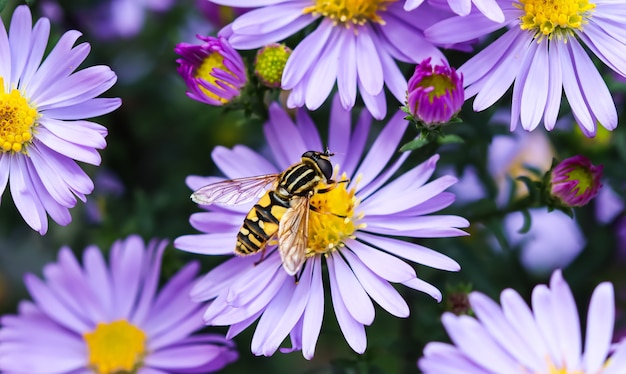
(512, 338)
(543, 54)
(355, 44)
(110, 319)
(42, 126)
(213, 71)
(489, 8)
(351, 234)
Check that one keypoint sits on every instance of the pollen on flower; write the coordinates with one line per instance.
(115, 347)
(17, 121)
(350, 12)
(547, 18)
(333, 219)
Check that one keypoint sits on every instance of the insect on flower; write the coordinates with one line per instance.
(281, 211)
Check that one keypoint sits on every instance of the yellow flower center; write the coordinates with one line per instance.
(546, 18)
(441, 84)
(350, 12)
(17, 120)
(214, 60)
(333, 219)
(270, 63)
(584, 178)
(115, 348)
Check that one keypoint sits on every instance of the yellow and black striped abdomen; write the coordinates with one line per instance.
(261, 224)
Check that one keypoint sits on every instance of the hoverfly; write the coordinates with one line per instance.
(282, 210)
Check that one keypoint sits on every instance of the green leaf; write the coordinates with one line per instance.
(450, 139)
(3, 4)
(534, 187)
(414, 144)
(527, 222)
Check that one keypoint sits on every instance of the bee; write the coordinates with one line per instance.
(282, 211)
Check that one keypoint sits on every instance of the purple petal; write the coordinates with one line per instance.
(377, 288)
(383, 264)
(347, 74)
(411, 251)
(207, 244)
(600, 320)
(312, 318)
(275, 310)
(381, 151)
(125, 256)
(369, 67)
(471, 338)
(353, 331)
(352, 293)
(19, 37)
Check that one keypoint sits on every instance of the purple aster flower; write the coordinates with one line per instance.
(575, 181)
(110, 319)
(512, 338)
(355, 44)
(542, 53)
(42, 126)
(489, 8)
(435, 94)
(352, 234)
(213, 71)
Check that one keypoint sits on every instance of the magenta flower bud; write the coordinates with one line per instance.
(213, 71)
(435, 93)
(575, 181)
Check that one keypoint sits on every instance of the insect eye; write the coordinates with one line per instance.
(326, 167)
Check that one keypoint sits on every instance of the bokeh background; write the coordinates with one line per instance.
(159, 136)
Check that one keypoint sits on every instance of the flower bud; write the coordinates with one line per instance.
(270, 62)
(435, 94)
(575, 181)
(213, 71)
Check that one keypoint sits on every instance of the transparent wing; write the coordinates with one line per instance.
(293, 234)
(234, 191)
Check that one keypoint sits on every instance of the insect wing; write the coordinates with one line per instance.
(234, 191)
(293, 234)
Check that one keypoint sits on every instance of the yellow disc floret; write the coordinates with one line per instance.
(441, 84)
(547, 18)
(17, 120)
(213, 60)
(350, 12)
(116, 347)
(270, 63)
(332, 219)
